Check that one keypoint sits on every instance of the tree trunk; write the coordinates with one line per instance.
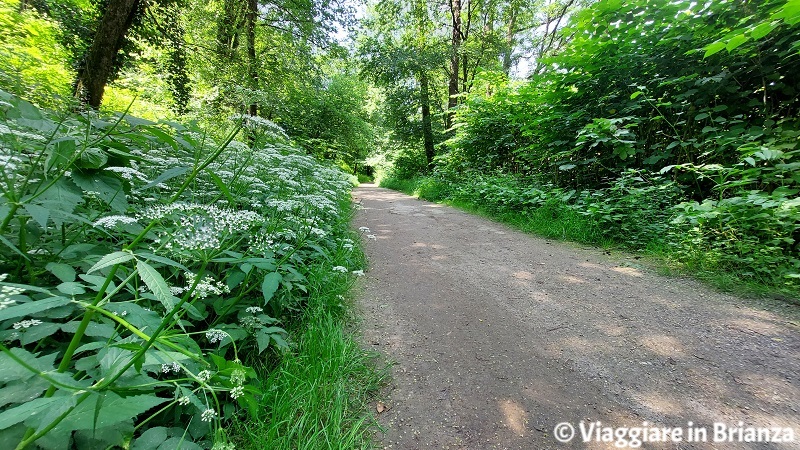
(252, 64)
(508, 44)
(427, 130)
(99, 63)
(452, 84)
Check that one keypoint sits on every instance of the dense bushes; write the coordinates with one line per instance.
(664, 125)
(146, 268)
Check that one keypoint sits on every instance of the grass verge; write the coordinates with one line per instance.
(316, 395)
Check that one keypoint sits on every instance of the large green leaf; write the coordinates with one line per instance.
(32, 308)
(104, 410)
(155, 282)
(107, 187)
(110, 260)
(11, 370)
(59, 154)
(270, 285)
(26, 410)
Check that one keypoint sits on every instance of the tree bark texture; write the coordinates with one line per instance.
(99, 63)
(427, 129)
(452, 84)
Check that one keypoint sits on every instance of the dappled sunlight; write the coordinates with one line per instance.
(571, 279)
(661, 404)
(628, 271)
(663, 345)
(514, 416)
(755, 326)
(523, 275)
(610, 329)
(590, 265)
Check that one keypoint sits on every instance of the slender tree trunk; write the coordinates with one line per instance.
(427, 129)
(452, 84)
(252, 64)
(99, 63)
(508, 43)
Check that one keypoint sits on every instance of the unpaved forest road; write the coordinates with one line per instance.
(499, 336)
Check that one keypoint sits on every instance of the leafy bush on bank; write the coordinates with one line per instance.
(750, 232)
(146, 268)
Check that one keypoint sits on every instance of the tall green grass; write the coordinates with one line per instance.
(317, 395)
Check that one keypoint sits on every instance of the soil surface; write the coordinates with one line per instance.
(497, 336)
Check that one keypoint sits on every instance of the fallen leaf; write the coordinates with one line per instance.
(380, 407)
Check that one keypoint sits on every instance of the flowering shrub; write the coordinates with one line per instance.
(145, 266)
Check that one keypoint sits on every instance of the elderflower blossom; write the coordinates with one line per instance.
(27, 324)
(254, 309)
(208, 415)
(358, 273)
(340, 269)
(237, 392)
(215, 336)
(183, 401)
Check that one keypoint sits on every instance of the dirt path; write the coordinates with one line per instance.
(499, 336)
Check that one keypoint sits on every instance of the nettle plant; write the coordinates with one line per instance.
(143, 266)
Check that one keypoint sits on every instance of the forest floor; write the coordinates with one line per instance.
(497, 336)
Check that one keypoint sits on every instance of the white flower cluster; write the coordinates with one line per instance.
(204, 375)
(183, 401)
(208, 415)
(358, 273)
(254, 309)
(237, 392)
(113, 221)
(128, 173)
(207, 286)
(200, 227)
(27, 324)
(215, 336)
(340, 269)
(170, 367)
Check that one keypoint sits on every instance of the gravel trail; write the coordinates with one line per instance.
(498, 336)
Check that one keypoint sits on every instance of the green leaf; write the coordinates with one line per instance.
(166, 175)
(762, 30)
(270, 285)
(72, 288)
(63, 195)
(33, 307)
(150, 439)
(107, 187)
(39, 213)
(736, 41)
(59, 154)
(155, 282)
(38, 332)
(111, 259)
(713, 48)
(92, 158)
(701, 116)
(109, 409)
(10, 370)
(163, 137)
(63, 272)
(27, 410)
(636, 94)
(262, 338)
(222, 187)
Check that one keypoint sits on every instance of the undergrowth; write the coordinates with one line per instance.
(631, 219)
